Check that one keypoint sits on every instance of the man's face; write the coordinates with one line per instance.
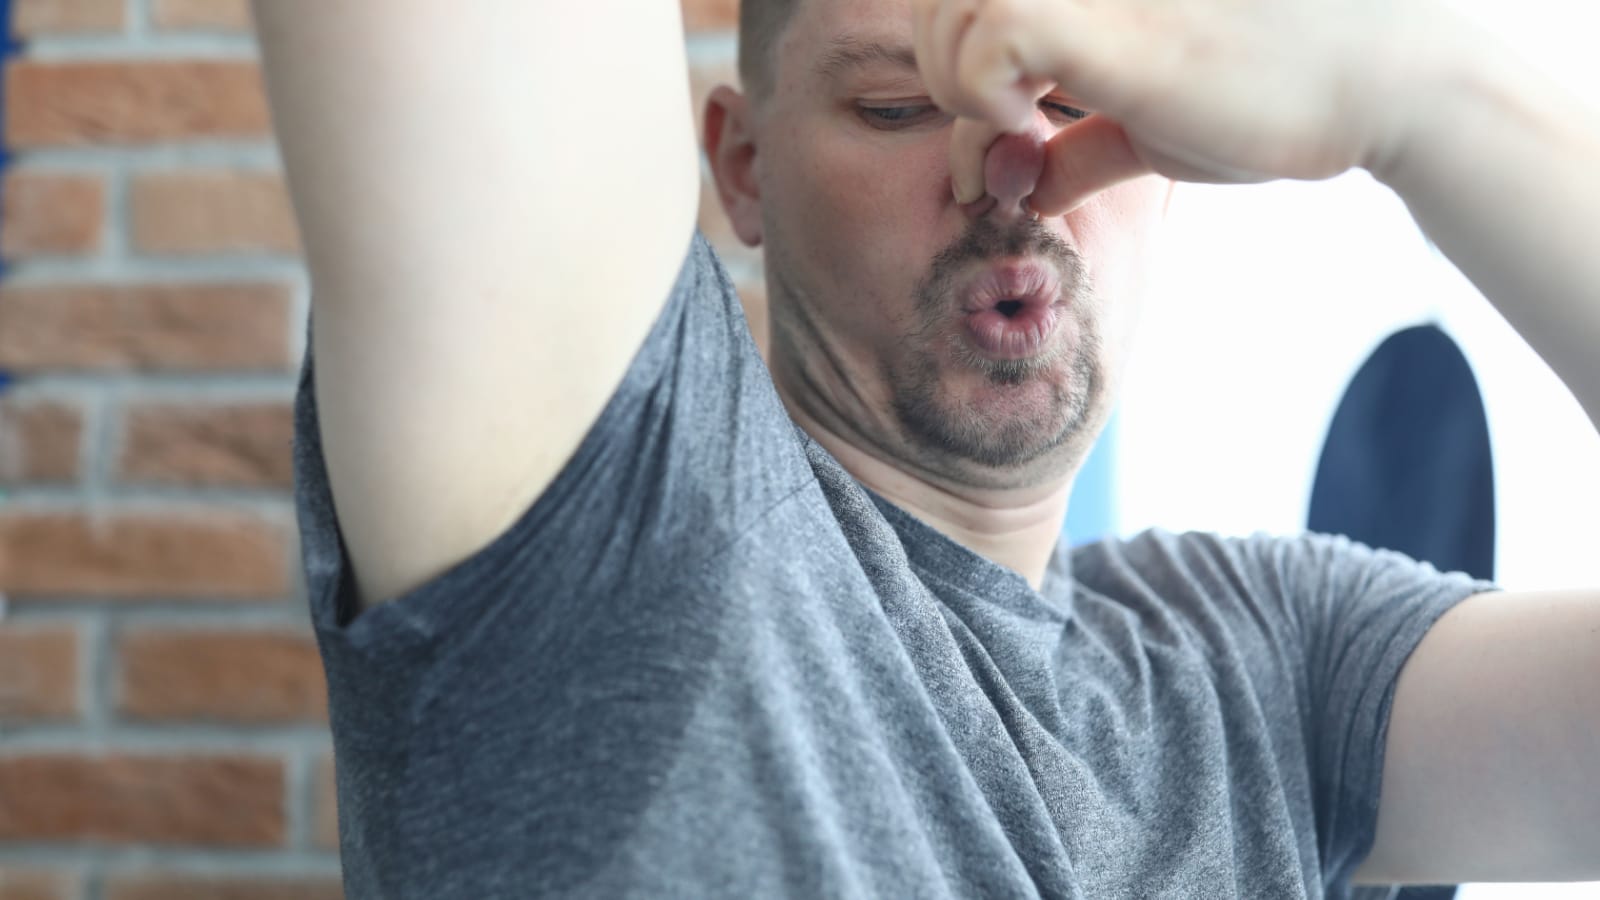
(972, 342)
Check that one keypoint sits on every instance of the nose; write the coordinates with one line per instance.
(1011, 170)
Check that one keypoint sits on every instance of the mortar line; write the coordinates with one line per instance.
(297, 806)
(118, 221)
(90, 400)
(205, 392)
(93, 483)
(137, 14)
(287, 622)
(167, 739)
(253, 384)
(188, 861)
(136, 270)
(116, 48)
(272, 503)
(250, 154)
(280, 615)
(111, 439)
(98, 673)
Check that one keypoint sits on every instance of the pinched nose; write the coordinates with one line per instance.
(1011, 171)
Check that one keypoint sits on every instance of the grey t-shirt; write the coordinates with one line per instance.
(709, 663)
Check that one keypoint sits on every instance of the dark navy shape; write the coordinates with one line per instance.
(1407, 464)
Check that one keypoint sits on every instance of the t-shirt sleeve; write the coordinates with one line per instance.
(1319, 627)
(1357, 613)
(692, 445)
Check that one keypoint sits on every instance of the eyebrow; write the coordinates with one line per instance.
(850, 53)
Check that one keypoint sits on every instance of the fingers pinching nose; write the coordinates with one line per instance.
(969, 145)
(1004, 168)
(980, 207)
(1011, 172)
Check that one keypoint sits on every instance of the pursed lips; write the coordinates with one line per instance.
(1012, 309)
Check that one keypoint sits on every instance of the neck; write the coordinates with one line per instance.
(1015, 527)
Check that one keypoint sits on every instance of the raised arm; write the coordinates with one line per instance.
(495, 198)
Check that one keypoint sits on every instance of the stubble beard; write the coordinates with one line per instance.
(952, 433)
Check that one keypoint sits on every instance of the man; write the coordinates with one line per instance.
(609, 610)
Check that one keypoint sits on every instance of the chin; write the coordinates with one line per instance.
(1001, 417)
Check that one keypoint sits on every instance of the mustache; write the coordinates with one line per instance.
(984, 240)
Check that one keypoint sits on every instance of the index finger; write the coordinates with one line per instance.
(1083, 160)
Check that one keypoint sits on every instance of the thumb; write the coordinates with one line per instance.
(969, 147)
(1083, 160)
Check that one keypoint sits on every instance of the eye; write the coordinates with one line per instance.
(896, 117)
(1062, 110)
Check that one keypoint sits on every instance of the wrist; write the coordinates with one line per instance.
(1442, 80)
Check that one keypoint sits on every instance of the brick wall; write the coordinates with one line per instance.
(162, 709)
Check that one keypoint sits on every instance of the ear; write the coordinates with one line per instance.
(731, 149)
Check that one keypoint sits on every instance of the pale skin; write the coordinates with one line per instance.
(464, 261)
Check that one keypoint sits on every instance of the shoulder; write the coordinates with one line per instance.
(1160, 556)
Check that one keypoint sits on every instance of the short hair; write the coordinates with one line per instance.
(760, 24)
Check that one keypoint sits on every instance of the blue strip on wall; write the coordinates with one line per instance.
(1092, 510)
(7, 47)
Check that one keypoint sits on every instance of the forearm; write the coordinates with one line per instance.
(1499, 169)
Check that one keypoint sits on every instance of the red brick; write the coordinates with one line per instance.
(35, 17)
(39, 441)
(37, 884)
(710, 15)
(212, 212)
(148, 887)
(38, 673)
(167, 327)
(326, 822)
(217, 801)
(49, 213)
(249, 677)
(239, 445)
(191, 554)
(209, 15)
(133, 102)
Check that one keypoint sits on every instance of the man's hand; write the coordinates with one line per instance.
(1196, 90)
